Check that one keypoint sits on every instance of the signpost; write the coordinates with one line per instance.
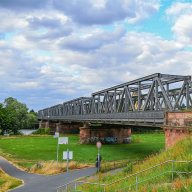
(67, 155)
(98, 144)
(61, 140)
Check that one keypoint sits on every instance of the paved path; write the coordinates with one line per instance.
(42, 183)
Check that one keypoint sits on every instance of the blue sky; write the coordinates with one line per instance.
(55, 50)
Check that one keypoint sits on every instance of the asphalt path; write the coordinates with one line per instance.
(42, 183)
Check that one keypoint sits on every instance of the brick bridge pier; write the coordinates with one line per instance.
(91, 133)
(177, 125)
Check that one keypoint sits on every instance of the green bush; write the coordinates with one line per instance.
(40, 131)
(129, 168)
(47, 130)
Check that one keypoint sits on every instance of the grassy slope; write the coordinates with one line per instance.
(7, 182)
(27, 150)
(182, 151)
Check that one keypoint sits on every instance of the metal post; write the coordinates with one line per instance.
(67, 159)
(187, 95)
(172, 172)
(139, 96)
(167, 85)
(156, 95)
(115, 107)
(75, 186)
(67, 164)
(99, 104)
(98, 160)
(57, 151)
(136, 182)
(104, 188)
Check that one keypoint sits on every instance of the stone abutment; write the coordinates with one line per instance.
(177, 126)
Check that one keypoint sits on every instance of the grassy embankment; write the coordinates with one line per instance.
(182, 151)
(7, 182)
(26, 151)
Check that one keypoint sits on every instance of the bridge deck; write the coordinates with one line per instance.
(132, 118)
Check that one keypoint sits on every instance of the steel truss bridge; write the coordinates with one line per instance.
(141, 101)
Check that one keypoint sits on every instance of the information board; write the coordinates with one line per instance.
(65, 154)
(62, 140)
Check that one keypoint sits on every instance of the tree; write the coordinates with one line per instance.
(31, 119)
(5, 120)
(14, 116)
(18, 113)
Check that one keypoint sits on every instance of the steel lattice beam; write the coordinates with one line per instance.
(153, 93)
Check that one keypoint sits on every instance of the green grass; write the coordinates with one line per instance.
(27, 150)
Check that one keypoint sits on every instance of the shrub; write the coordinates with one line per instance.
(40, 130)
(47, 130)
(129, 168)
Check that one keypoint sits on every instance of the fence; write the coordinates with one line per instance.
(110, 165)
(74, 186)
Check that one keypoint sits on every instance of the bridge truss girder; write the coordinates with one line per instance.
(157, 92)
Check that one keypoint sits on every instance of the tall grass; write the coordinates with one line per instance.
(181, 184)
(50, 167)
(182, 151)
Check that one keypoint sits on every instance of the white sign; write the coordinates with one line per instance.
(65, 154)
(98, 144)
(56, 135)
(63, 140)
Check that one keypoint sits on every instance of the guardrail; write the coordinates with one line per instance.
(74, 184)
(111, 165)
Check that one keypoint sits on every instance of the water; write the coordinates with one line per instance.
(27, 131)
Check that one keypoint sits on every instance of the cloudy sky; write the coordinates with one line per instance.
(56, 50)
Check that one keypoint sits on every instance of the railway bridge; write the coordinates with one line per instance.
(159, 100)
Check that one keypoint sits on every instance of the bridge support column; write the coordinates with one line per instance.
(41, 124)
(44, 124)
(177, 126)
(105, 133)
(48, 123)
(59, 126)
(63, 127)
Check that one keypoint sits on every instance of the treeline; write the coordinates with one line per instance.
(14, 116)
